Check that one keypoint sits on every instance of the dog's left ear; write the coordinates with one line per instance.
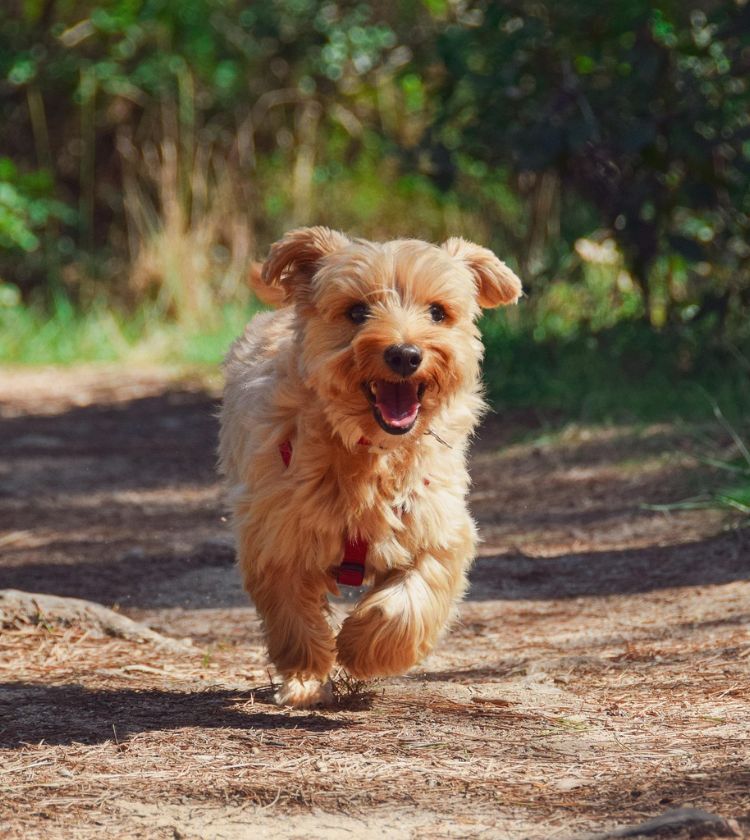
(496, 284)
(293, 260)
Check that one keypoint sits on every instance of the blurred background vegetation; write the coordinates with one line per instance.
(150, 149)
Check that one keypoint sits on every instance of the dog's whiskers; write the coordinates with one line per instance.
(438, 438)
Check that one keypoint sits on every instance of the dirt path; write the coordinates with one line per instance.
(600, 674)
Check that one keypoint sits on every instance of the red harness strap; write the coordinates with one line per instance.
(285, 449)
(351, 572)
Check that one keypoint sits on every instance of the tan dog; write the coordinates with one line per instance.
(344, 432)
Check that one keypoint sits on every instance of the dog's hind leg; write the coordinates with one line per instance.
(398, 622)
(300, 640)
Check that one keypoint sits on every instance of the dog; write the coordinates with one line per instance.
(344, 430)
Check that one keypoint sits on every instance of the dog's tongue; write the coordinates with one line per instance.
(397, 402)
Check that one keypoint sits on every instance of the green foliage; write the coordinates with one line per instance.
(26, 207)
(548, 120)
(638, 108)
(625, 373)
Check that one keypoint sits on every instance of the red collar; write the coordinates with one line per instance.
(351, 572)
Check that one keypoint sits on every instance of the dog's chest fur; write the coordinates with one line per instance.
(401, 501)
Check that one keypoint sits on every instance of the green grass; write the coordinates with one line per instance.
(627, 373)
(736, 494)
(59, 334)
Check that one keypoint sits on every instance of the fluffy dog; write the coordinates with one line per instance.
(344, 431)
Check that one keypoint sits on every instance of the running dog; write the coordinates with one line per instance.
(344, 430)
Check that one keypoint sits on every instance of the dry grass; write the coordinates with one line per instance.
(589, 734)
(190, 233)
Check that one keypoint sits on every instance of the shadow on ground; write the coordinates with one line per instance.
(716, 560)
(209, 579)
(154, 441)
(66, 714)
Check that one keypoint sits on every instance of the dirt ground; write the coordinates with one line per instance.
(599, 676)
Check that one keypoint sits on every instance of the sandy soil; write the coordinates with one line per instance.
(600, 674)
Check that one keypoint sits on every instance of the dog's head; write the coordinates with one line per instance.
(387, 333)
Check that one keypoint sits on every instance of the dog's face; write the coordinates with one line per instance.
(387, 332)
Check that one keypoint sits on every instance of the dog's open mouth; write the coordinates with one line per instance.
(395, 405)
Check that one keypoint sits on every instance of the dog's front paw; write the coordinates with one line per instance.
(304, 693)
(373, 644)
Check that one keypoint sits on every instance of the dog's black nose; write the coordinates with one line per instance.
(403, 359)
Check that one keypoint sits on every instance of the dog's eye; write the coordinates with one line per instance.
(437, 313)
(358, 313)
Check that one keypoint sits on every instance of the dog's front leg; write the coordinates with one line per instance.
(397, 623)
(300, 640)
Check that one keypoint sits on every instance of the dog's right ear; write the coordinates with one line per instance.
(293, 260)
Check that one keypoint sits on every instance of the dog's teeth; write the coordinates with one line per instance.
(373, 389)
